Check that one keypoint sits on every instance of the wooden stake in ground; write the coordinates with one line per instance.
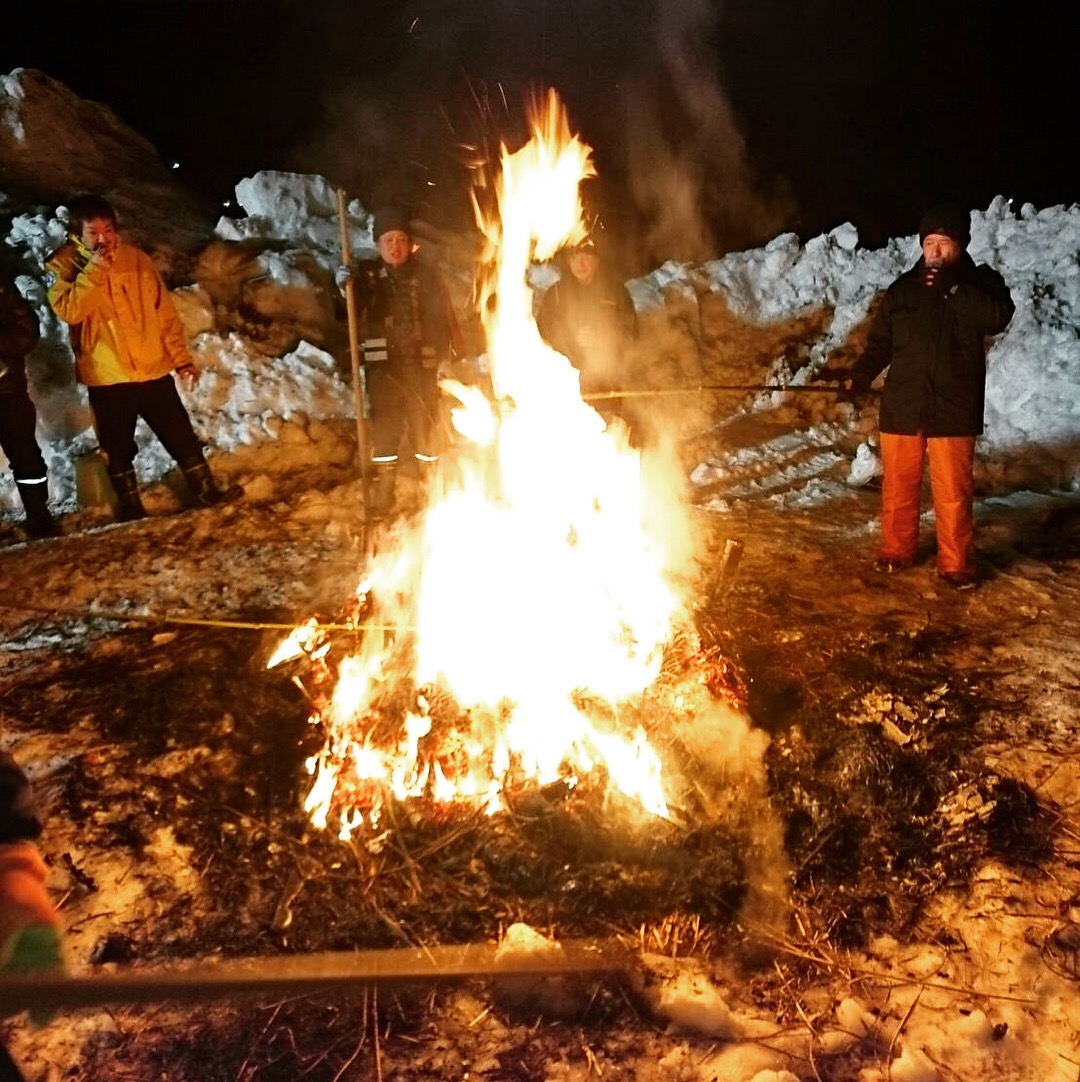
(354, 350)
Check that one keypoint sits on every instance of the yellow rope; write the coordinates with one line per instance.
(153, 618)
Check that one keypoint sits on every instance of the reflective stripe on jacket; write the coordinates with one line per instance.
(124, 325)
(406, 315)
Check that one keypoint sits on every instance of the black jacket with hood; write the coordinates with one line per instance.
(933, 340)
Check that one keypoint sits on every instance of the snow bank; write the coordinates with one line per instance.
(278, 261)
(299, 209)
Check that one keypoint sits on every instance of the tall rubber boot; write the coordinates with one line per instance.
(129, 505)
(204, 489)
(35, 498)
(382, 489)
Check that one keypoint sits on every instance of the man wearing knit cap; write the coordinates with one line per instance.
(588, 317)
(409, 330)
(931, 333)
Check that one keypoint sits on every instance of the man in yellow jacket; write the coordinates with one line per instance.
(128, 342)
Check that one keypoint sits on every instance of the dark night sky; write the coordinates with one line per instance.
(849, 109)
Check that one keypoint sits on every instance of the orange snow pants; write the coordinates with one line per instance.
(952, 483)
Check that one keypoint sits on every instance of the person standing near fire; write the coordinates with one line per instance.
(588, 317)
(128, 342)
(931, 333)
(408, 331)
(18, 418)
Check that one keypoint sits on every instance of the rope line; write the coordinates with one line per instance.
(192, 621)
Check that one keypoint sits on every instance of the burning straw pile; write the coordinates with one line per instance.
(513, 634)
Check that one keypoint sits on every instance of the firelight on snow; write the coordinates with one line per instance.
(536, 591)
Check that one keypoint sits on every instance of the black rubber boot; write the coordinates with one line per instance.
(382, 487)
(35, 498)
(129, 506)
(204, 489)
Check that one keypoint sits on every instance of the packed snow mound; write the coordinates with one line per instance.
(1033, 368)
(54, 144)
(299, 209)
(265, 320)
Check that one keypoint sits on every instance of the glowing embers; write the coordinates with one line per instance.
(529, 605)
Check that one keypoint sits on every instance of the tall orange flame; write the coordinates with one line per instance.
(536, 580)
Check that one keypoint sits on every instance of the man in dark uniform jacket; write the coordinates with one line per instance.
(18, 418)
(931, 332)
(409, 330)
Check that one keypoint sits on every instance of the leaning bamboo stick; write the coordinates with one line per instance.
(354, 345)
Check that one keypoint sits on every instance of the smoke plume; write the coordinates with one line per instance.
(689, 171)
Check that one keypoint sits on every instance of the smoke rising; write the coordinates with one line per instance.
(439, 90)
(688, 168)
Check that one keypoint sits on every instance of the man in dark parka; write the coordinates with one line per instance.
(409, 330)
(931, 333)
(588, 317)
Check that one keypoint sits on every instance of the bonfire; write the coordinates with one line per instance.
(504, 633)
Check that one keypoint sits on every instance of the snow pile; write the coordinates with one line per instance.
(1031, 391)
(1033, 368)
(263, 323)
(298, 209)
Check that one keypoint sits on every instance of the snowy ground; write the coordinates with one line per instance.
(158, 744)
(979, 982)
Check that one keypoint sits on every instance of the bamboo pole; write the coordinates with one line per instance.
(700, 388)
(354, 349)
(301, 974)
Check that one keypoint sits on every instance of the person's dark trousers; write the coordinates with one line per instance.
(403, 401)
(117, 409)
(18, 419)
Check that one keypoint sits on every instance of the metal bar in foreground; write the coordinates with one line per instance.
(301, 974)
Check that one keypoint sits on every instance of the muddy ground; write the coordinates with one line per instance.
(916, 736)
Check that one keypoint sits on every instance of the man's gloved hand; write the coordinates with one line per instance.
(847, 391)
(342, 277)
(20, 820)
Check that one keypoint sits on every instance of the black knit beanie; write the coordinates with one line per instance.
(947, 220)
(392, 216)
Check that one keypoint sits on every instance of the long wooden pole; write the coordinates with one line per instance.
(301, 974)
(700, 388)
(354, 349)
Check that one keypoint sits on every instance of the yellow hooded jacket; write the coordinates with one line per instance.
(124, 326)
